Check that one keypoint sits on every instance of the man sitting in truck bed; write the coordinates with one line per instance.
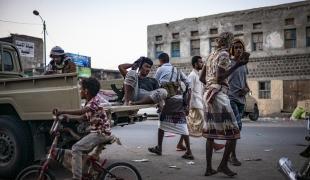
(140, 89)
(59, 63)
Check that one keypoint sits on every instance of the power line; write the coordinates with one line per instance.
(18, 22)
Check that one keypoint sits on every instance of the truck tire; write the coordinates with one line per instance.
(16, 150)
(254, 115)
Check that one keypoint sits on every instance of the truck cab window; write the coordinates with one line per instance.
(7, 61)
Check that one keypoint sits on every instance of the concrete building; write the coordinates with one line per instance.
(31, 52)
(278, 38)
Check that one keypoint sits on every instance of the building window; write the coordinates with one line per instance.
(290, 38)
(158, 49)
(308, 36)
(194, 33)
(257, 41)
(212, 44)
(213, 31)
(239, 27)
(175, 35)
(257, 25)
(195, 47)
(175, 49)
(159, 38)
(239, 36)
(264, 90)
(289, 21)
(308, 18)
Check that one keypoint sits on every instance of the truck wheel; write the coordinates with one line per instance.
(254, 115)
(15, 146)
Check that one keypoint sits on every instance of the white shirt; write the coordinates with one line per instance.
(163, 74)
(196, 87)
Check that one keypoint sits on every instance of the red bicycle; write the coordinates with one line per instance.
(94, 170)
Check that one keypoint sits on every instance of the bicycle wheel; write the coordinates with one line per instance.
(33, 172)
(121, 171)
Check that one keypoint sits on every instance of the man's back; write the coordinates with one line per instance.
(163, 74)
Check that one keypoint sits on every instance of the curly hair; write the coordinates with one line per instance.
(92, 85)
(225, 39)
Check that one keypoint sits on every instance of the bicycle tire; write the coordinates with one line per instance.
(33, 172)
(112, 167)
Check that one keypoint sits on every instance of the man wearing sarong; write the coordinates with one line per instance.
(140, 89)
(219, 117)
(195, 116)
(238, 88)
(173, 114)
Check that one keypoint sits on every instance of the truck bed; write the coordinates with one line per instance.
(35, 97)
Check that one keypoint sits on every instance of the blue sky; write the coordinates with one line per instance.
(111, 32)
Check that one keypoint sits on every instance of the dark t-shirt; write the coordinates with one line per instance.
(237, 81)
(148, 84)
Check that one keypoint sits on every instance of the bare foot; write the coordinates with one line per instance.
(226, 171)
(210, 172)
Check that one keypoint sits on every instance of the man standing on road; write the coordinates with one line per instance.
(238, 88)
(195, 118)
(219, 117)
(173, 114)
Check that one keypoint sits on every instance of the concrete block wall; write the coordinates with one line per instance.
(280, 67)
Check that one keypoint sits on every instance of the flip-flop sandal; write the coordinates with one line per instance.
(210, 173)
(188, 156)
(155, 150)
(227, 171)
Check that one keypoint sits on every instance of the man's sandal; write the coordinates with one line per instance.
(155, 150)
(188, 156)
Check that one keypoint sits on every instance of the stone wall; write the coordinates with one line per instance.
(280, 67)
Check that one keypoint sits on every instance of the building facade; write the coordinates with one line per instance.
(105, 74)
(30, 50)
(278, 38)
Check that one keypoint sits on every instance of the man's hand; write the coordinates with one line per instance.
(136, 64)
(57, 112)
(187, 110)
(65, 118)
(244, 59)
(244, 91)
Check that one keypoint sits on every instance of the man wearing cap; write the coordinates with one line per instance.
(59, 63)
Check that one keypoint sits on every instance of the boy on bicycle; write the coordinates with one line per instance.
(92, 112)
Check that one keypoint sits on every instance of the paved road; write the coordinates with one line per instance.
(268, 140)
